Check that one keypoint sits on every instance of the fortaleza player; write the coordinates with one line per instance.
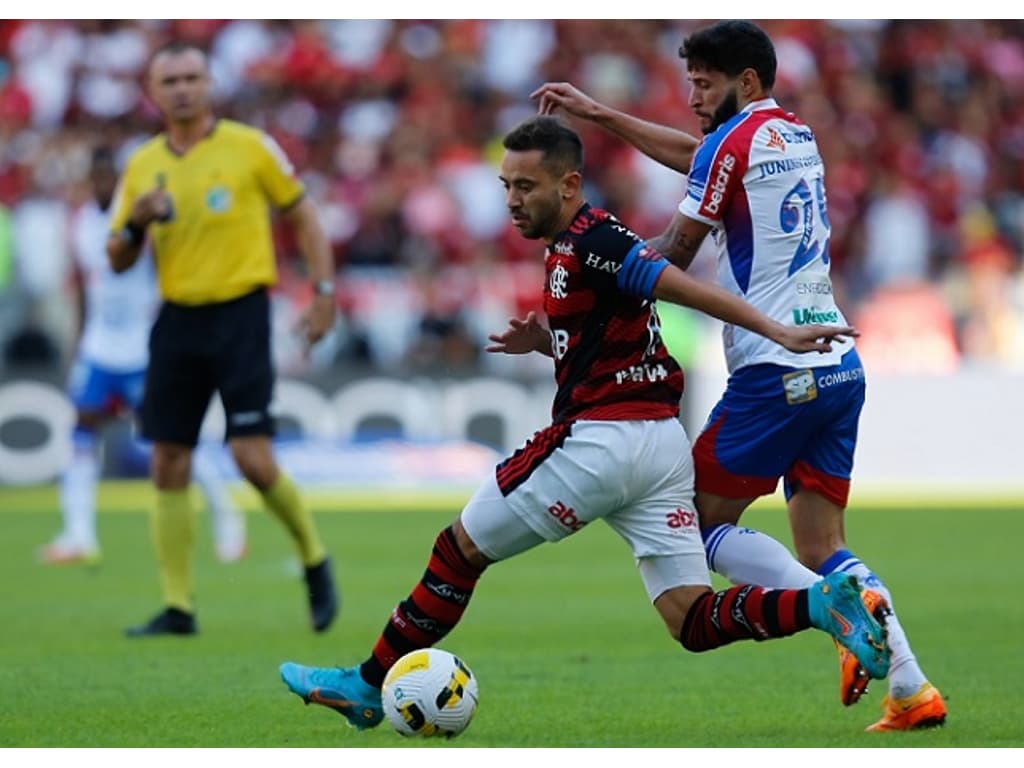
(615, 451)
(758, 180)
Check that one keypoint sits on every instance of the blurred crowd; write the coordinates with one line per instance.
(396, 128)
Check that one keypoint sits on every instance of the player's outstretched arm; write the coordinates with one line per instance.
(521, 337)
(668, 146)
(678, 287)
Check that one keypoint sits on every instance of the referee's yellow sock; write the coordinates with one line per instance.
(282, 498)
(173, 529)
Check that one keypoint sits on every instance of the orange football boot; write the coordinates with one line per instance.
(853, 678)
(924, 709)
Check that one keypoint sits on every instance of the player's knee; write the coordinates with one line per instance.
(468, 548)
(717, 510)
(693, 631)
(256, 462)
(250, 467)
(170, 466)
(674, 605)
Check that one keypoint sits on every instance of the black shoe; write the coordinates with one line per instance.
(323, 599)
(170, 621)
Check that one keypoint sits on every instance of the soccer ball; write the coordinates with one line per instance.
(429, 692)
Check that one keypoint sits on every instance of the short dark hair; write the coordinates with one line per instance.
(560, 145)
(175, 47)
(730, 47)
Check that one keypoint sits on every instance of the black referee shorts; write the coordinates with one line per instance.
(195, 351)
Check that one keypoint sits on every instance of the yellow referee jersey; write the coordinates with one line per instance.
(217, 246)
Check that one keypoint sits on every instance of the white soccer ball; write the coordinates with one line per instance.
(430, 692)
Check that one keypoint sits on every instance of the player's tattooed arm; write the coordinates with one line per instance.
(681, 239)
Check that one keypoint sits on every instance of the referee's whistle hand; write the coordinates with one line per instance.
(155, 205)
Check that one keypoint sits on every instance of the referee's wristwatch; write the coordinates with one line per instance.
(324, 288)
(132, 233)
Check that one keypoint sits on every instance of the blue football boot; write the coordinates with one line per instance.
(339, 688)
(836, 607)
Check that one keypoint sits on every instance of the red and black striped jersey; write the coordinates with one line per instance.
(610, 362)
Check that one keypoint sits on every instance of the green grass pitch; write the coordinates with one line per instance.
(567, 650)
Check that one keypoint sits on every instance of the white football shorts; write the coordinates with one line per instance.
(637, 476)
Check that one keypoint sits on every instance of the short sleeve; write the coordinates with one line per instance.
(715, 176)
(276, 174)
(613, 257)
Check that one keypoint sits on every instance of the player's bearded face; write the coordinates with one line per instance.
(532, 195)
(538, 216)
(728, 108)
(714, 97)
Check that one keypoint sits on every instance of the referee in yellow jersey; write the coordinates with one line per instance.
(202, 192)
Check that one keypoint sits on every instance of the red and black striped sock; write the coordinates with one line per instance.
(432, 610)
(745, 612)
